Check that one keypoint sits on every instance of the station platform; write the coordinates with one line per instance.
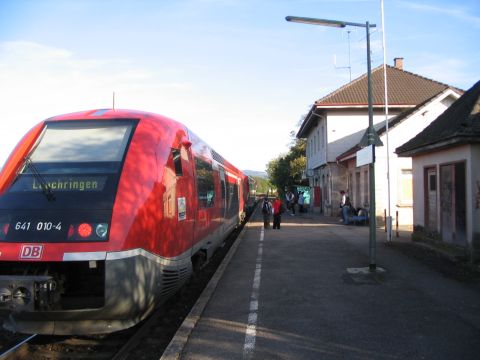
(302, 292)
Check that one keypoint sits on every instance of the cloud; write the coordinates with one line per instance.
(458, 12)
(39, 81)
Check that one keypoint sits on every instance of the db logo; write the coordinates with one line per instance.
(31, 252)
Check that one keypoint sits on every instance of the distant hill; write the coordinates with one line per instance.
(261, 174)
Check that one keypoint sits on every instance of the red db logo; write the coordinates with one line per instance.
(31, 252)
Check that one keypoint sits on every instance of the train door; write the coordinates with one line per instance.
(223, 200)
(182, 196)
(207, 201)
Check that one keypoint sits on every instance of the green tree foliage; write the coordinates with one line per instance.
(263, 185)
(285, 171)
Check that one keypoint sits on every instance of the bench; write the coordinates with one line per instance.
(361, 218)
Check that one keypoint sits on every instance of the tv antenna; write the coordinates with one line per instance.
(349, 67)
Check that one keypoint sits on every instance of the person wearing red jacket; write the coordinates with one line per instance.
(277, 212)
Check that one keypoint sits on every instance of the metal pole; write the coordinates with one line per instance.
(371, 133)
(371, 166)
(385, 218)
(389, 207)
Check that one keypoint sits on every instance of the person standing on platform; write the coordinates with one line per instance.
(290, 202)
(266, 211)
(345, 206)
(301, 201)
(277, 213)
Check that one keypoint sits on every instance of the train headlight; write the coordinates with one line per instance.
(101, 230)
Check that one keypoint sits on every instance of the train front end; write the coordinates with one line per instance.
(56, 207)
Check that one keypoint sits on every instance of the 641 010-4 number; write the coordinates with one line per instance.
(38, 226)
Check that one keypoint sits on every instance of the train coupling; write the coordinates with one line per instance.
(28, 293)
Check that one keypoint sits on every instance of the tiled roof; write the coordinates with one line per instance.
(404, 88)
(459, 124)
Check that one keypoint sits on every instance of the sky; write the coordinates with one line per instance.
(233, 71)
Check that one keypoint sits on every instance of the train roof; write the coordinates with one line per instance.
(109, 114)
(106, 114)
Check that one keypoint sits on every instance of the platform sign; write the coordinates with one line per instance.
(366, 156)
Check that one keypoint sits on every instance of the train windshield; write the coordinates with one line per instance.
(74, 160)
(80, 147)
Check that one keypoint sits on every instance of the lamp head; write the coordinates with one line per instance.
(312, 21)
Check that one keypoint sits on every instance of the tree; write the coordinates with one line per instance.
(285, 171)
(263, 185)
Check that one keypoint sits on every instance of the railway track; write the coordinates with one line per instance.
(145, 341)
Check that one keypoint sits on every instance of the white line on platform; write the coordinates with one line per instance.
(251, 331)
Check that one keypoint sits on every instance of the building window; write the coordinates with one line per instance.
(405, 190)
(432, 178)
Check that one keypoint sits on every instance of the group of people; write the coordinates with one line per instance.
(292, 200)
(349, 213)
(277, 208)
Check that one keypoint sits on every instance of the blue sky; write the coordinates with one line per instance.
(234, 71)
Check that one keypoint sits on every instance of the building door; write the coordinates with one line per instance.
(453, 203)
(446, 195)
(431, 199)
(357, 198)
(460, 205)
(317, 196)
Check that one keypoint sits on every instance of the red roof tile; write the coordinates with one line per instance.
(404, 88)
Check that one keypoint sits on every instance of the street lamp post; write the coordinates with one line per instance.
(371, 130)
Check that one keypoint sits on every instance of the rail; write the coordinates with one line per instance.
(10, 351)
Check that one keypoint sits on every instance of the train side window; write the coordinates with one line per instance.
(184, 154)
(205, 183)
(177, 162)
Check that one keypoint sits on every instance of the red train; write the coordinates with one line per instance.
(103, 215)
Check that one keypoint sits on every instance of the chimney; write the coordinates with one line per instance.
(398, 63)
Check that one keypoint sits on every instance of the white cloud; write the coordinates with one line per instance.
(39, 81)
(455, 11)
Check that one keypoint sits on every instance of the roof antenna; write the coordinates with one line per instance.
(113, 100)
(349, 67)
